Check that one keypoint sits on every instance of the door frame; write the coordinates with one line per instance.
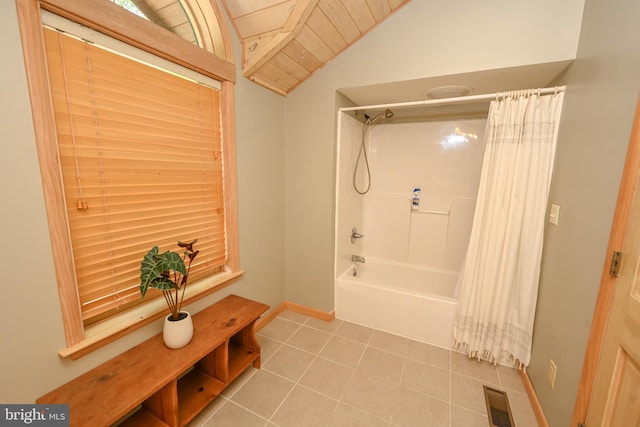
(607, 282)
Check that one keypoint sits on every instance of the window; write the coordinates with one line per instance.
(189, 19)
(134, 153)
(170, 15)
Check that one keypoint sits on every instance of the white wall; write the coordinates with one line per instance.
(422, 39)
(33, 331)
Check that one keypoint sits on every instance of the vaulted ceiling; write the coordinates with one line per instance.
(285, 42)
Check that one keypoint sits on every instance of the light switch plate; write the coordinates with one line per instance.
(551, 373)
(554, 214)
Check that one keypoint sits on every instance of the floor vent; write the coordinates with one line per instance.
(498, 409)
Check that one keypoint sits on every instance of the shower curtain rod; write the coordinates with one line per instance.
(455, 100)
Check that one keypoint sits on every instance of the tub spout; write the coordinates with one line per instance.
(357, 258)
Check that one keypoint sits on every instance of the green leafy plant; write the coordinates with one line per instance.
(168, 272)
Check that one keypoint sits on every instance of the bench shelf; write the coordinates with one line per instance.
(168, 387)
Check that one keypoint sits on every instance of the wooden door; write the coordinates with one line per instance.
(615, 398)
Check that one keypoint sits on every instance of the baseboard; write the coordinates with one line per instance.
(533, 398)
(313, 312)
(298, 308)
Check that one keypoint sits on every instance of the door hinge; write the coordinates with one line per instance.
(616, 260)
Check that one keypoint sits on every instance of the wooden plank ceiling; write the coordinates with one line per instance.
(169, 14)
(285, 41)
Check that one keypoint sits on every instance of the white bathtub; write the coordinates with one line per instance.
(415, 303)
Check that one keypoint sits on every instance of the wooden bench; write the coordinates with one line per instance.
(151, 385)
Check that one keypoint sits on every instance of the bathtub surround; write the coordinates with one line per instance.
(416, 243)
(400, 275)
(443, 158)
(499, 284)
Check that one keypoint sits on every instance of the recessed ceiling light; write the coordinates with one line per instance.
(452, 91)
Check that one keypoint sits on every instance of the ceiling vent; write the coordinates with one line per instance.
(452, 91)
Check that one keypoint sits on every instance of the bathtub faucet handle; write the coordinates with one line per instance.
(355, 235)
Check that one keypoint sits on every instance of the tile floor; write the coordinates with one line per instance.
(317, 373)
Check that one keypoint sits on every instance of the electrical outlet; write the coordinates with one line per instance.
(551, 373)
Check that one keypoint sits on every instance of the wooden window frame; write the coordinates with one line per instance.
(110, 19)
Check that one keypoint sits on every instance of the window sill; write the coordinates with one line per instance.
(117, 326)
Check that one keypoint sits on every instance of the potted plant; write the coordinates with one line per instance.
(169, 272)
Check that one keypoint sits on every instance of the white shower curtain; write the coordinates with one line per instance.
(499, 279)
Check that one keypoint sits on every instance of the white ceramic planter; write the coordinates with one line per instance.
(177, 333)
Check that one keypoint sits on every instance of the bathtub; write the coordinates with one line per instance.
(413, 302)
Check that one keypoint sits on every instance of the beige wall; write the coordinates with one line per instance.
(423, 39)
(29, 363)
(603, 86)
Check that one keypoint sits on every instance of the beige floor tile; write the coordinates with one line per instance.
(323, 325)
(348, 416)
(304, 407)
(389, 342)
(426, 379)
(523, 415)
(354, 332)
(289, 362)
(371, 395)
(480, 370)
(430, 354)
(263, 393)
(382, 364)
(279, 329)
(461, 417)
(414, 409)
(343, 351)
(327, 377)
(468, 393)
(309, 339)
(510, 379)
(232, 415)
(207, 412)
(239, 382)
(268, 347)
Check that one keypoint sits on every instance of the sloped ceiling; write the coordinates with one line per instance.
(285, 41)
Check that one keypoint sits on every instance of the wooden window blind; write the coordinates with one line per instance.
(141, 162)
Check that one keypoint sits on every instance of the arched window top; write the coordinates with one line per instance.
(197, 21)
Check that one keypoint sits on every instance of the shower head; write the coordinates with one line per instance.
(382, 115)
